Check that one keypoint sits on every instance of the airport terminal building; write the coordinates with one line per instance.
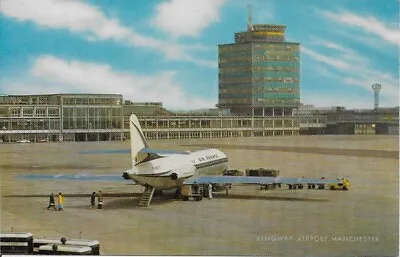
(341, 121)
(104, 117)
(61, 117)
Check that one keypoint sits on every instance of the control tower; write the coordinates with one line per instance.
(259, 74)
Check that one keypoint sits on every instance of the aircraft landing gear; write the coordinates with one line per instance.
(158, 192)
(177, 194)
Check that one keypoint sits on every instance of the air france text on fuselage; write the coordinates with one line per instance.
(208, 158)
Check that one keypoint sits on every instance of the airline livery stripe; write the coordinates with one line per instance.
(211, 163)
(156, 174)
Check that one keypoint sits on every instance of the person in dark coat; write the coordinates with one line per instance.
(92, 200)
(51, 202)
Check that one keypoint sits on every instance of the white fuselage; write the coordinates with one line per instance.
(170, 171)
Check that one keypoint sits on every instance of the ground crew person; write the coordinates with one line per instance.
(100, 200)
(92, 200)
(196, 188)
(60, 202)
(209, 191)
(226, 189)
(52, 202)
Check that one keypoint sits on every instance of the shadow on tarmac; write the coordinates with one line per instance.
(131, 200)
(267, 197)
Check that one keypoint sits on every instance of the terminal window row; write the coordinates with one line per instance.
(278, 63)
(272, 95)
(288, 76)
(257, 53)
(34, 124)
(92, 112)
(270, 73)
(238, 90)
(28, 112)
(260, 101)
(255, 46)
(91, 101)
(258, 58)
(294, 70)
(275, 58)
(235, 54)
(258, 84)
(257, 79)
(274, 52)
(219, 123)
(92, 123)
(30, 100)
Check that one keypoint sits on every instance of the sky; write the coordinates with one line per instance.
(166, 51)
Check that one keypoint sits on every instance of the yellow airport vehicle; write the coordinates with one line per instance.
(342, 184)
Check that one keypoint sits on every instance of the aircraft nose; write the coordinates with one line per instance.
(125, 175)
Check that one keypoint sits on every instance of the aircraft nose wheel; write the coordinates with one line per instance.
(178, 193)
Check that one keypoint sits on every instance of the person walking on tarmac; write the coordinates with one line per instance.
(52, 202)
(100, 200)
(227, 187)
(60, 202)
(92, 200)
(209, 191)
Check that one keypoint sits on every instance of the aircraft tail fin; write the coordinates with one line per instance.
(138, 141)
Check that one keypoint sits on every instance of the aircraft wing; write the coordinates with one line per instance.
(255, 180)
(85, 177)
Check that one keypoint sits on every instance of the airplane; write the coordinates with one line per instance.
(163, 169)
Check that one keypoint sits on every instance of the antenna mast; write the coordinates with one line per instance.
(249, 18)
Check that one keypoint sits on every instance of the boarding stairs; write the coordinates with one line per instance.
(146, 196)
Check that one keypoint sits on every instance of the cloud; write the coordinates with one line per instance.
(348, 101)
(75, 16)
(50, 74)
(373, 42)
(356, 70)
(365, 80)
(334, 62)
(367, 24)
(90, 22)
(329, 44)
(263, 10)
(186, 18)
(322, 71)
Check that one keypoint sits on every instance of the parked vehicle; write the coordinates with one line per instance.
(23, 140)
(342, 184)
